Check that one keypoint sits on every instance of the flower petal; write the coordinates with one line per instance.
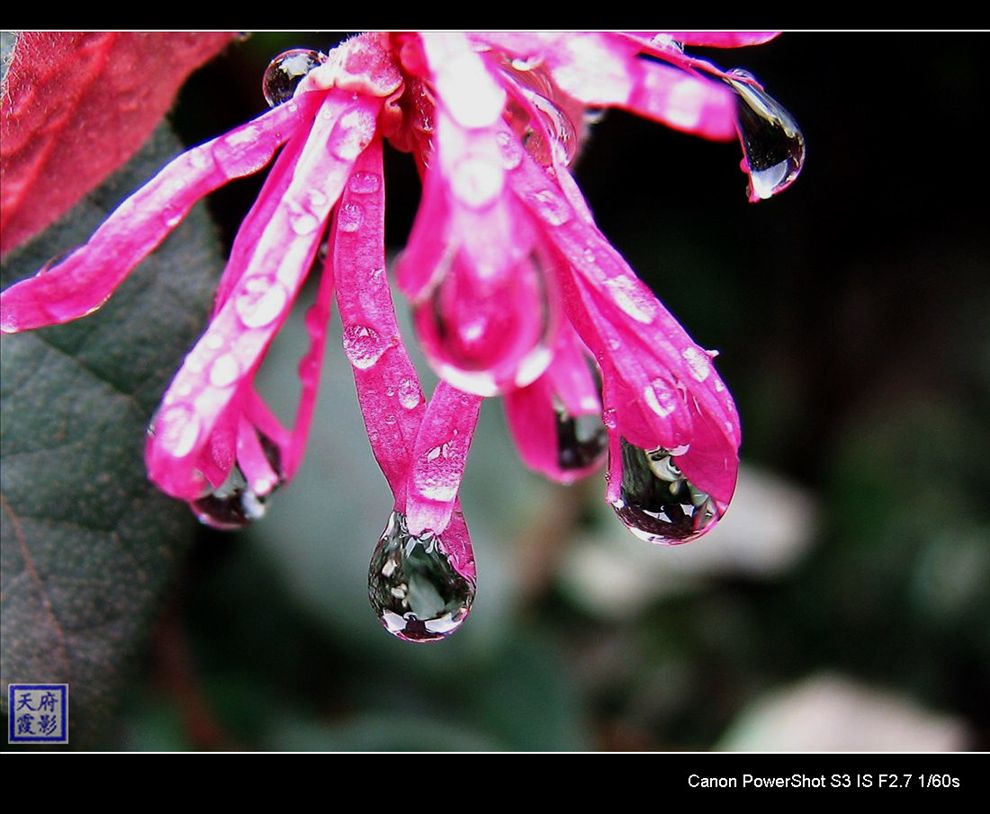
(604, 69)
(658, 381)
(543, 417)
(388, 386)
(721, 39)
(85, 279)
(232, 349)
(439, 457)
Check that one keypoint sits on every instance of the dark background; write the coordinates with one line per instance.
(847, 606)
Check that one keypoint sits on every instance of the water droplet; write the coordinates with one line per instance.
(200, 159)
(409, 394)
(350, 217)
(353, 132)
(609, 418)
(771, 140)
(303, 223)
(286, 71)
(262, 301)
(364, 183)
(667, 43)
(581, 440)
(224, 371)
(363, 346)
(657, 503)
(414, 588)
(632, 298)
(552, 207)
(172, 215)
(661, 398)
(511, 150)
(179, 428)
(552, 140)
(698, 363)
(234, 505)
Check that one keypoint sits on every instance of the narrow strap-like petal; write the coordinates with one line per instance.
(660, 381)
(85, 279)
(388, 386)
(242, 330)
(439, 457)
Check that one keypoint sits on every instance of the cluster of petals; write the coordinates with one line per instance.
(515, 290)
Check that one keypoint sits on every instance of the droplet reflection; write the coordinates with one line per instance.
(657, 503)
(286, 71)
(234, 505)
(414, 588)
(771, 140)
(581, 440)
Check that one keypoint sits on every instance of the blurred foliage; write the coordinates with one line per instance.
(851, 317)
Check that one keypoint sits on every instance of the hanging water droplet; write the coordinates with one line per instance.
(555, 139)
(772, 143)
(234, 505)
(657, 503)
(413, 586)
(581, 440)
(286, 71)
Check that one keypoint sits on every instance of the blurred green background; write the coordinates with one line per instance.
(843, 601)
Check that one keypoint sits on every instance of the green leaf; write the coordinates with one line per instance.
(88, 545)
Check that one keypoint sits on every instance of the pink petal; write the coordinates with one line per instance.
(532, 412)
(439, 457)
(84, 280)
(657, 380)
(388, 386)
(602, 69)
(240, 333)
(722, 39)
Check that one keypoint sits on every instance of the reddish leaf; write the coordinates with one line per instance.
(75, 107)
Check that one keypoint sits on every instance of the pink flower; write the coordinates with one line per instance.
(515, 290)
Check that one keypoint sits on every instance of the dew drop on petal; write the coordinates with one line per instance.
(772, 143)
(303, 223)
(350, 217)
(581, 440)
(179, 429)
(414, 588)
(225, 370)
(261, 302)
(234, 505)
(286, 71)
(698, 362)
(657, 503)
(364, 183)
(409, 394)
(364, 346)
(552, 207)
(511, 150)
